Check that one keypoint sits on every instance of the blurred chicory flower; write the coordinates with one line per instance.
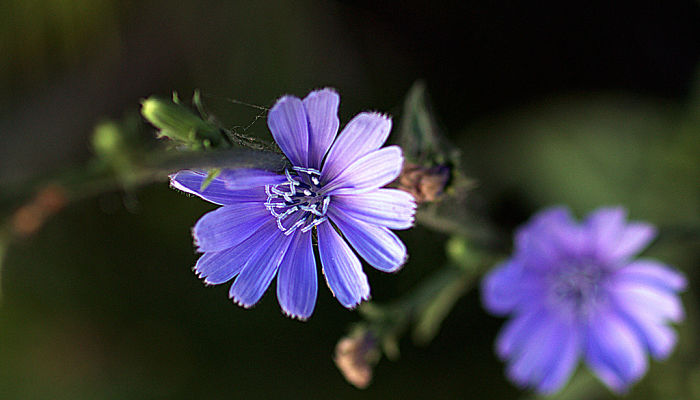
(334, 186)
(574, 291)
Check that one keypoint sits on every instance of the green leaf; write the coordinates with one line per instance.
(590, 151)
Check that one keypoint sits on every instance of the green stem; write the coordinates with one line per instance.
(436, 294)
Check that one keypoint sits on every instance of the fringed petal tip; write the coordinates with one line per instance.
(195, 241)
(284, 98)
(378, 114)
(326, 90)
(354, 306)
(351, 305)
(365, 133)
(398, 268)
(174, 184)
(301, 318)
(241, 303)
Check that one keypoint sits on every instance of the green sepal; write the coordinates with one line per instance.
(211, 175)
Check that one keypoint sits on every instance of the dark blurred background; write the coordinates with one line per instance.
(551, 102)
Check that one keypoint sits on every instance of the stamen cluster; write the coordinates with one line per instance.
(299, 199)
(577, 287)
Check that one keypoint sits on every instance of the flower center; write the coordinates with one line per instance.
(297, 203)
(578, 286)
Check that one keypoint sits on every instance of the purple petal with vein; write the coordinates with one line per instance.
(341, 268)
(322, 112)
(392, 208)
(290, 128)
(363, 134)
(258, 272)
(380, 247)
(221, 266)
(297, 284)
(370, 172)
(228, 188)
(228, 226)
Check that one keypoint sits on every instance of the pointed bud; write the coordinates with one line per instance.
(180, 124)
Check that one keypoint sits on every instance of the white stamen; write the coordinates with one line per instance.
(294, 227)
(309, 171)
(288, 212)
(314, 223)
(291, 182)
(277, 191)
(326, 201)
(312, 209)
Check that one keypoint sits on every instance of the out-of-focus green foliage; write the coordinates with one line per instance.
(39, 36)
(595, 150)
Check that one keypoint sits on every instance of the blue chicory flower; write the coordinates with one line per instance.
(574, 291)
(265, 225)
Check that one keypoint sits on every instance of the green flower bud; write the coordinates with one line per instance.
(180, 124)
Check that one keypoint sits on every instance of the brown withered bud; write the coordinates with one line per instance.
(426, 184)
(31, 216)
(355, 357)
